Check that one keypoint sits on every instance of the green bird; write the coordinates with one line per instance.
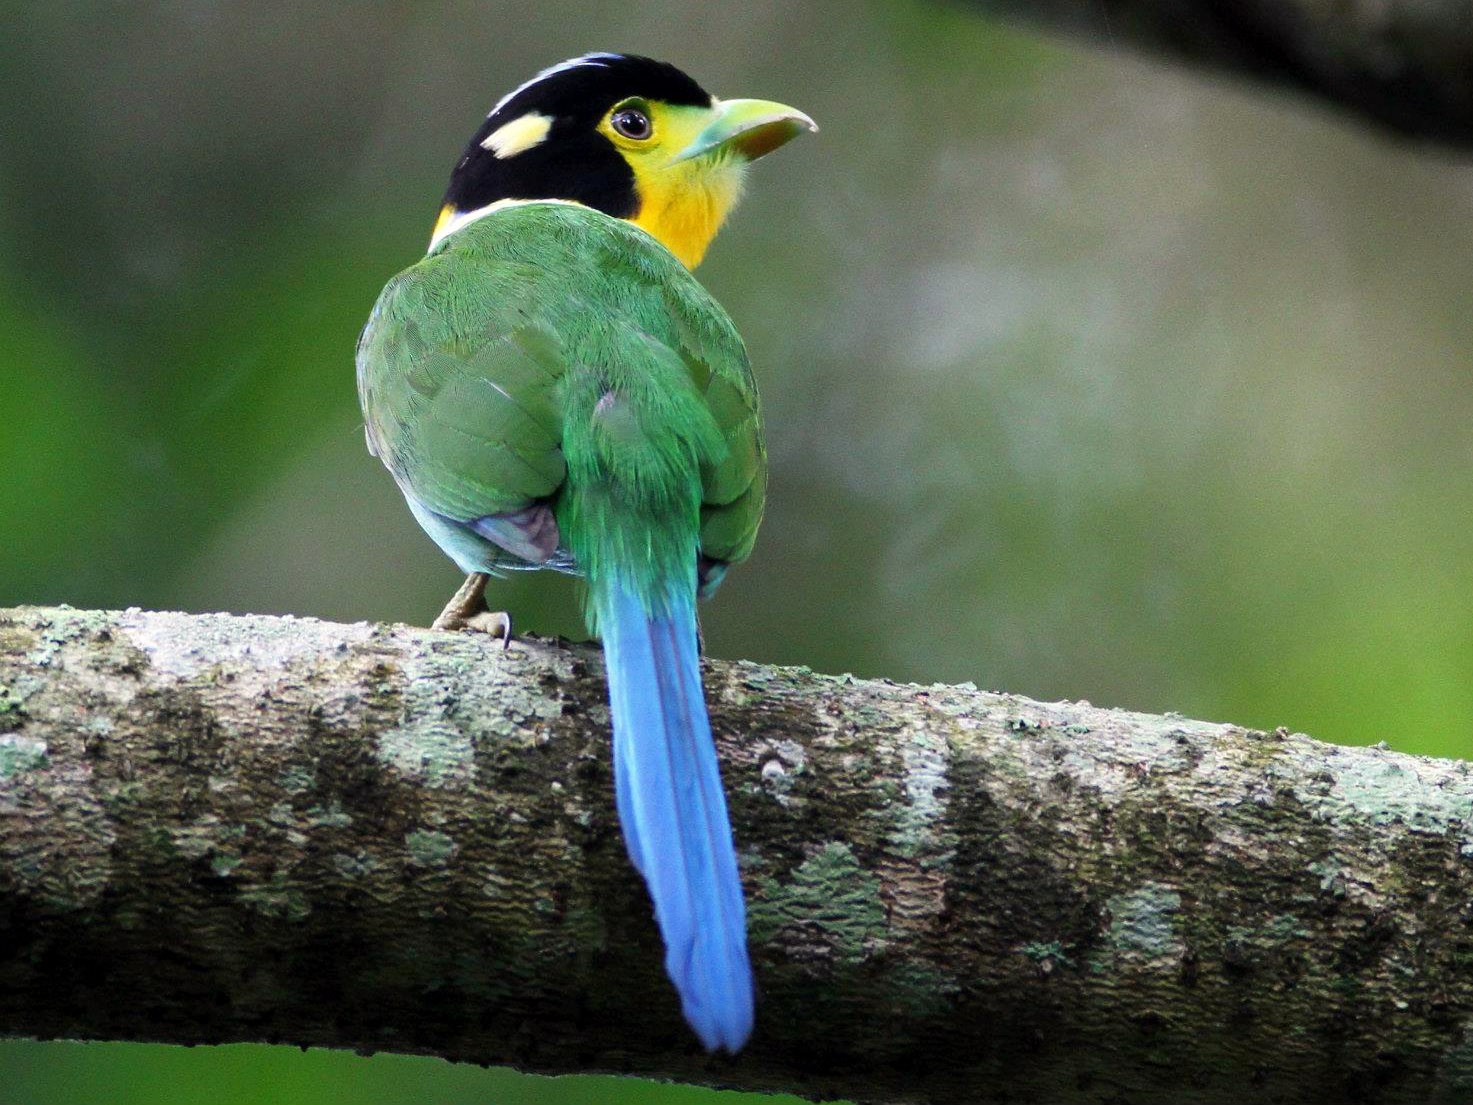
(551, 388)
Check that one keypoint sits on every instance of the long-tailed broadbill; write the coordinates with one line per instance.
(551, 388)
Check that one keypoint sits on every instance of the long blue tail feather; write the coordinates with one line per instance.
(672, 809)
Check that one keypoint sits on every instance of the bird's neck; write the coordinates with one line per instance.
(683, 206)
(451, 219)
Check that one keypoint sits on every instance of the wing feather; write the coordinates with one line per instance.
(467, 355)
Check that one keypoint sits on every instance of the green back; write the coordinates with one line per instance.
(549, 352)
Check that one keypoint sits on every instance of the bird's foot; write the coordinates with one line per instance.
(495, 622)
(466, 610)
(465, 604)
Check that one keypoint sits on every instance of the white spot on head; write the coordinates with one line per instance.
(518, 136)
(597, 60)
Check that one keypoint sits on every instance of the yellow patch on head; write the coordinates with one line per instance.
(681, 202)
(518, 136)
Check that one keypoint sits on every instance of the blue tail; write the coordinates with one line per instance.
(673, 811)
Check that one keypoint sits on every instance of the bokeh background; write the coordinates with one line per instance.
(1085, 376)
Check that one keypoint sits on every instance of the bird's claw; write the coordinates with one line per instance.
(466, 610)
(495, 622)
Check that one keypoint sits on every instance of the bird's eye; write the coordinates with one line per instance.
(631, 123)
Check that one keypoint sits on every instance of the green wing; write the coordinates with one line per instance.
(466, 361)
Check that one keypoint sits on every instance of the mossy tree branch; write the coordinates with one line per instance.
(1406, 64)
(223, 828)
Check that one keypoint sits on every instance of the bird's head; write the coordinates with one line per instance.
(631, 137)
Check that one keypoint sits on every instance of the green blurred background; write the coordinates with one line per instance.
(1085, 376)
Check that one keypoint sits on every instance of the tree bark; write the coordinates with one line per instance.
(1407, 64)
(218, 828)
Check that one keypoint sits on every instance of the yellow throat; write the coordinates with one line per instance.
(684, 205)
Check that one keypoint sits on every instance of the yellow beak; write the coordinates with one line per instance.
(750, 127)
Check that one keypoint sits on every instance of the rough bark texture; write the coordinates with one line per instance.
(223, 828)
(1408, 64)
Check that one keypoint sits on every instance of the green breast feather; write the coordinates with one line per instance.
(481, 364)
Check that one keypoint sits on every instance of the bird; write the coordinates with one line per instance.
(551, 387)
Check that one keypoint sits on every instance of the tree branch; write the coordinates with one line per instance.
(1407, 64)
(223, 828)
